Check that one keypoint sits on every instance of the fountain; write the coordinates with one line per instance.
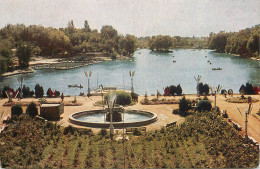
(114, 116)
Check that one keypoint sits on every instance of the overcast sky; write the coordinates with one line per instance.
(138, 17)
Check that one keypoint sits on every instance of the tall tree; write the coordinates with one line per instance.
(70, 28)
(24, 54)
(128, 44)
(86, 26)
(161, 43)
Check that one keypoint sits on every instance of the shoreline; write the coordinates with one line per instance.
(38, 61)
(18, 72)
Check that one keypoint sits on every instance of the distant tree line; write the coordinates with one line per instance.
(25, 41)
(244, 43)
(164, 43)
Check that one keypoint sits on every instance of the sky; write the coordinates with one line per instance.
(137, 17)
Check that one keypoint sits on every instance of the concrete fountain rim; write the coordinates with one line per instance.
(73, 119)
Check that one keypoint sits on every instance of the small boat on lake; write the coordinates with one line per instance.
(76, 85)
(218, 68)
(174, 61)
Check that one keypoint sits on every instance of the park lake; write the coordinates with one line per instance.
(153, 71)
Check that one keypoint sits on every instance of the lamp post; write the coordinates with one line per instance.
(132, 73)
(101, 89)
(21, 80)
(216, 91)
(198, 81)
(110, 108)
(88, 75)
(247, 113)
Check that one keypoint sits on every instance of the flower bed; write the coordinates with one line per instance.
(155, 102)
(38, 103)
(240, 100)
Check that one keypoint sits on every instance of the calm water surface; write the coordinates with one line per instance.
(99, 117)
(154, 71)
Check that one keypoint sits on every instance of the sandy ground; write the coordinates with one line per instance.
(163, 111)
(42, 60)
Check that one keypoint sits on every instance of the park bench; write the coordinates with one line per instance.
(252, 140)
(224, 113)
(41, 119)
(171, 124)
(131, 130)
(6, 119)
(109, 88)
(2, 129)
(237, 126)
(3, 113)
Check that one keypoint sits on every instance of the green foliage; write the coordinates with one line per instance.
(246, 89)
(24, 54)
(69, 130)
(179, 90)
(204, 105)
(5, 89)
(202, 140)
(173, 90)
(6, 63)
(39, 92)
(203, 88)
(161, 43)
(242, 89)
(16, 110)
(32, 110)
(223, 91)
(103, 132)
(62, 42)
(26, 91)
(136, 132)
(128, 45)
(122, 98)
(244, 43)
(249, 88)
(218, 41)
(184, 106)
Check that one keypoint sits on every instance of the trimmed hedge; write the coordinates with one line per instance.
(16, 110)
(204, 105)
(122, 98)
(32, 110)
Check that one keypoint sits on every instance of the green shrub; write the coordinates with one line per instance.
(136, 132)
(249, 88)
(16, 110)
(6, 88)
(179, 90)
(246, 89)
(184, 106)
(122, 98)
(32, 110)
(203, 88)
(204, 105)
(103, 132)
(223, 91)
(68, 130)
(39, 92)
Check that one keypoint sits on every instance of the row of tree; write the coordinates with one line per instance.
(25, 41)
(164, 43)
(38, 92)
(244, 43)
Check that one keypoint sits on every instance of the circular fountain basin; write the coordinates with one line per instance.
(96, 119)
